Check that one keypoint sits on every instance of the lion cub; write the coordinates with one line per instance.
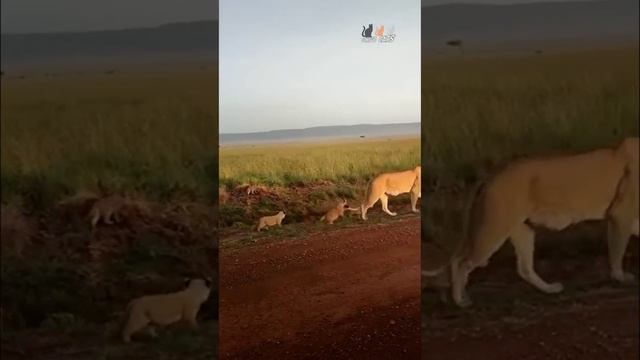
(108, 209)
(165, 309)
(254, 189)
(334, 213)
(268, 221)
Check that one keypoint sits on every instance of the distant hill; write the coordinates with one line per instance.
(528, 24)
(190, 40)
(323, 133)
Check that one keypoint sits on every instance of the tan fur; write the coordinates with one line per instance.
(165, 309)
(434, 263)
(255, 189)
(268, 221)
(553, 192)
(108, 209)
(392, 184)
(334, 213)
(223, 195)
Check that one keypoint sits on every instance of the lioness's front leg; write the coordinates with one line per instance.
(384, 200)
(522, 238)
(191, 314)
(622, 223)
(414, 202)
(618, 234)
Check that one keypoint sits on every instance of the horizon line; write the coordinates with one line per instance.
(317, 127)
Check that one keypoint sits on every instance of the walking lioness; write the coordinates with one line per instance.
(552, 192)
(392, 184)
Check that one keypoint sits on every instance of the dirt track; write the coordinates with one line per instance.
(593, 318)
(348, 293)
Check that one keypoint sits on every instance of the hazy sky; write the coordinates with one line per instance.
(78, 15)
(296, 64)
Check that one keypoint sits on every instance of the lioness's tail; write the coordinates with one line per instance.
(365, 203)
(115, 329)
(435, 272)
(472, 219)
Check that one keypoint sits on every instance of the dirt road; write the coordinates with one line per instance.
(342, 294)
(593, 318)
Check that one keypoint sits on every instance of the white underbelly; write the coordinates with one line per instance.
(559, 220)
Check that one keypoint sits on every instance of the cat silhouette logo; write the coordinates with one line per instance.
(369, 36)
(380, 31)
(366, 31)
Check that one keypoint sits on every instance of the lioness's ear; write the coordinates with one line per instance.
(186, 281)
(208, 282)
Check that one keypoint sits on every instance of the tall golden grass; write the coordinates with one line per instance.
(348, 162)
(151, 132)
(493, 109)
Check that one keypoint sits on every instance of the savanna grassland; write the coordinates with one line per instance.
(71, 139)
(305, 179)
(339, 161)
(148, 132)
(491, 109)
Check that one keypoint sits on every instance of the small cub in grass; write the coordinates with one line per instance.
(255, 189)
(268, 221)
(108, 209)
(166, 309)
(334, 213)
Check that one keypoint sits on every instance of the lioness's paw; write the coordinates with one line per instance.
(465, 302)
(417, 211)
(555, 288)
(393, 213)
(624, 278)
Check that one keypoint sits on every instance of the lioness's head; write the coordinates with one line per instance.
(199, 286)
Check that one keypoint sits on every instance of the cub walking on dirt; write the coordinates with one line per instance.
(336, 212)
(165, 309)
(268, 221)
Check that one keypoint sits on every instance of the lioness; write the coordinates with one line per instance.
(268, 221)
(552, 192)
(394, 183)
(334, 213)
(165, 309)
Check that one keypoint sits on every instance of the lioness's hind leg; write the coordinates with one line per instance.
(134, 324)
(384, 199)
(618, 233)
(108, 217)
(460, 271)
(365, 207)
(486, 245)
(95, 217)
(523, 240)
